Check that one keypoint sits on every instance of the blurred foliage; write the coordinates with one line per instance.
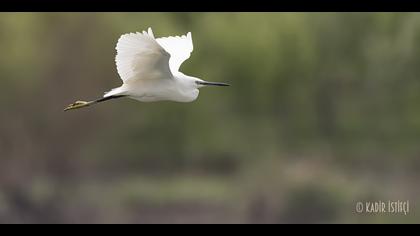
(323, 112)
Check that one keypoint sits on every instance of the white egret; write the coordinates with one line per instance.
(149, 69)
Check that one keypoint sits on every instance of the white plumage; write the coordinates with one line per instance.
(179, 47)
(140, 56)
(149, 69)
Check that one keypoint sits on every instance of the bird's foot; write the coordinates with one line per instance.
(77, 105)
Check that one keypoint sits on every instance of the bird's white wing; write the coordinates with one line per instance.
(180, 48)
(139, 56)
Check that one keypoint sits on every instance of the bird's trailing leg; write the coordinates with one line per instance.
(81, 104)
(77, 105)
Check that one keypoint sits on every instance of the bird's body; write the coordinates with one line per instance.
(153, 90)
(149, 69)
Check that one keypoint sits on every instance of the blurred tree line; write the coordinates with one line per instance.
(315, 98)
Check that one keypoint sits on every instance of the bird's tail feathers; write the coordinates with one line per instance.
(114, 92)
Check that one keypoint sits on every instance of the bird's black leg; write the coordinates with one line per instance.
(108, 98)
(80, 104)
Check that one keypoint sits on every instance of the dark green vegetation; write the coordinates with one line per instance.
(323, 112)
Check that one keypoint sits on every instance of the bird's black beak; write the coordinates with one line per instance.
(212, 83)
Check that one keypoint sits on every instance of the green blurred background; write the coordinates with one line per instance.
(323, 112)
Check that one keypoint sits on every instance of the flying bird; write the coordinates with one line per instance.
(149, 70)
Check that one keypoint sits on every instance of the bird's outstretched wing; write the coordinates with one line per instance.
(180, 48)
(140, 56)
